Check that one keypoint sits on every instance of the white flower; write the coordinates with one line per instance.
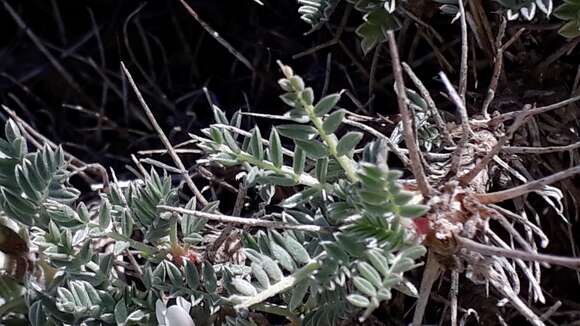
(529, 11)
(176, 315)
(390, 6)
(546, 6)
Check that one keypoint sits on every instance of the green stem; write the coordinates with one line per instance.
(345, 162)
(303, 178)
(284, 284)
(173, 232)
(148, 250)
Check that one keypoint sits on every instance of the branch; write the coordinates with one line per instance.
(487, 250)
(464, 52)
(529, 113)
(540, 150)
(427, 96)
(458, 152)
(499, 196)
(217, 37)
(283, 285)
(164, 139)
(408, 132)
(430, 275)
(497, 69)
(255, 222)
(469, 176)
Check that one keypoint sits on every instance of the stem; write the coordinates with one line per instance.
(499, 196)
(249, 221)
(173, 232)
(284, 284)
(345, 162)
(148, 250)
(487, 250)
(200, 198)
(303, 178)
(408, 131)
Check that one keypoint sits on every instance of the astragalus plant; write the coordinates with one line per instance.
(340, 243)
(346, 236)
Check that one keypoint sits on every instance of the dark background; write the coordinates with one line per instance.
(172, 58)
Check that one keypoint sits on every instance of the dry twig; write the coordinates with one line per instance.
(408, 131)
(254, 222)
(499, 196)
(218, 38)
(164, 139)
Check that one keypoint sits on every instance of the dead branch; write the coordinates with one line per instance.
(469, 176)
(164, 139)
(540, 150)
(430, 275)
(486, 250)
(430, 102)
(408, 132)
(499, 196)
(218, 38)
(464, 52)
(247, 221)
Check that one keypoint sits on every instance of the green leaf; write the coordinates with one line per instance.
(379, 261)
(230, 141)
(333, 121)
(104, 214)
(568, 11)
(301, 197)
(209, 277)
(216, 135)
(191, 275)
(260, 275)
(219, 115)
(295, 249)
(277, 180)
(403, 197)
(271, 268)
(308, 95)
(299, 160)
(364, 286)
(358, 300)
(411, 211)
(275, 148)
(402, 265)
(348, 143)
(244, 287)
(321, 169)
(326, 104)
(297, 83)
(295, 131)
(297, 295)
(256, 146)
(121, 313)
(369, 273)
(12, 131)
(313, 148)
(570, 29)
(36, 314)
(283, 257)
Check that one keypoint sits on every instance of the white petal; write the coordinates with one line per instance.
(530, 12)
(511, 15)
(183, 304)
(177, 316)
(546, 6)
(390, 5)
(160, 312)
